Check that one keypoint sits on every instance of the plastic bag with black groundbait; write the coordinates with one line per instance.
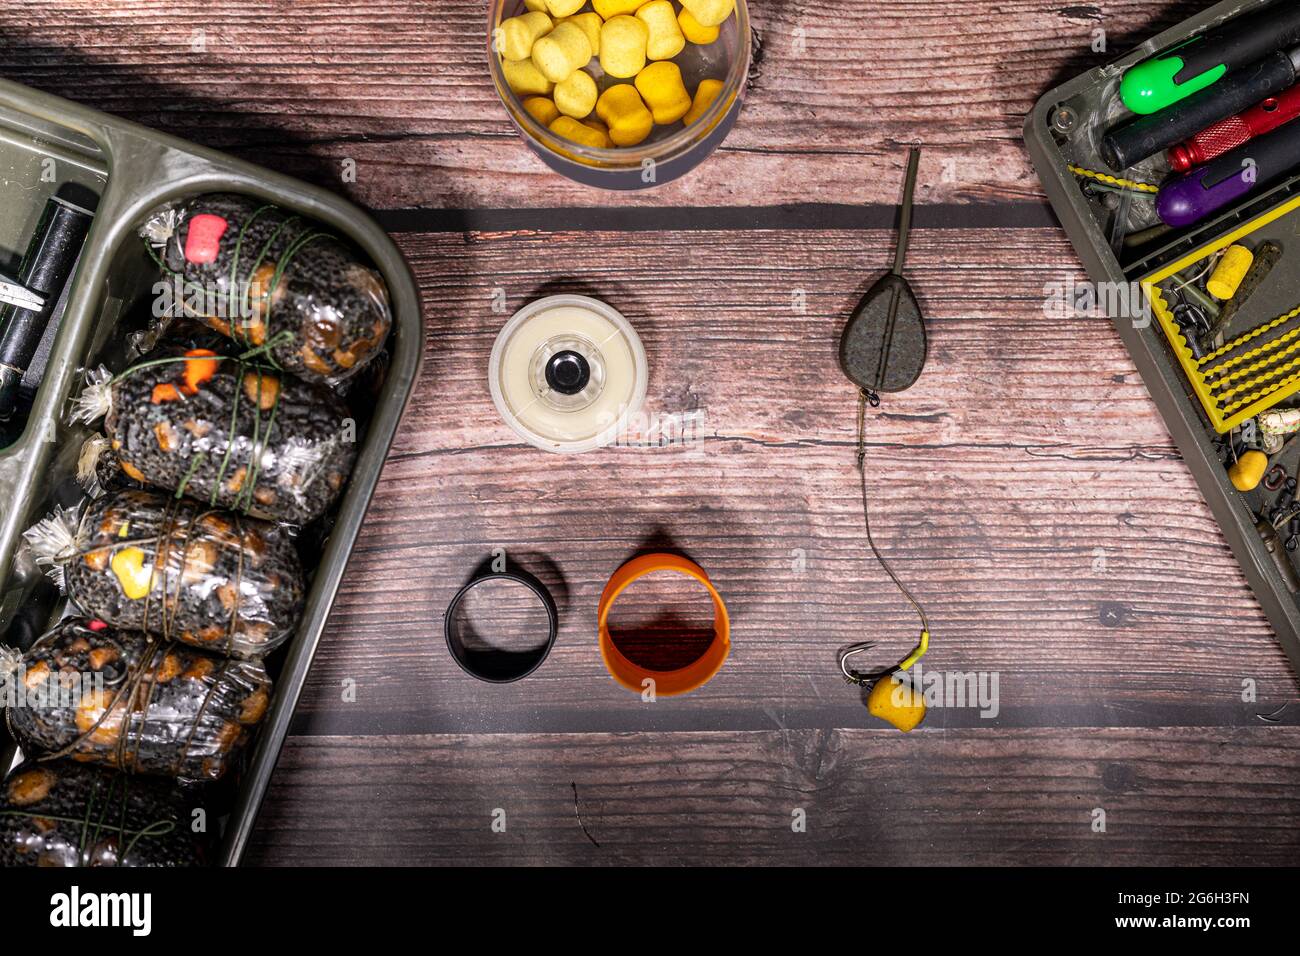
(132, 701)
(263, 276)
(65, 814)
(225, 432)
(212, 579)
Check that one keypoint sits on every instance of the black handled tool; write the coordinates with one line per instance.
(1127, 145)
(50, 257)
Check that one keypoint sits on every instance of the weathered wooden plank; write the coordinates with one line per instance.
(401, 88)
(1025, 487)
(1172, 796)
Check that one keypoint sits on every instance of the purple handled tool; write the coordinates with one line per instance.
(1199, 194)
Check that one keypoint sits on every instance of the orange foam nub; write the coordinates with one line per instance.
(666, 683)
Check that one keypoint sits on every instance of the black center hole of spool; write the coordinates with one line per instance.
(568, 373)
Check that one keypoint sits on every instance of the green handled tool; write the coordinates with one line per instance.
(1203, 61)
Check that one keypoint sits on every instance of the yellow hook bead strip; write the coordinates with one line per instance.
(1110, 180)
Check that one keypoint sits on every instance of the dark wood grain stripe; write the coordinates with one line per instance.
(847, 712)
(1197, 796)
(817, 217)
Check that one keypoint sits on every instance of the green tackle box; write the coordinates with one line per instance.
(47, 143)
(1064, 137)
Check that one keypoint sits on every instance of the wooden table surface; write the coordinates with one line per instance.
(1026, 487)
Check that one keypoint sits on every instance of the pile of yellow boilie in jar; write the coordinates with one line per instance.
(553, 54)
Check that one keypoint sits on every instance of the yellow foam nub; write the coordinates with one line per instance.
(542, 109)
(661, 87)
(525, 79)
(1248, 470)
(695, 31)
(622, 110)
(608, 9)
(1230, 272)
(516, 36)
(565, 8)
(591, 24)
(576, 96)
(570, 128)
(710, 13)
(666, 39)
(623, 42)
(562, 52)
(894, 700)
(705, 94)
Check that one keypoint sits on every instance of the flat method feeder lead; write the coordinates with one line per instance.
(884, 344)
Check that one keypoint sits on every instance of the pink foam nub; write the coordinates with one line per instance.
(204, 239)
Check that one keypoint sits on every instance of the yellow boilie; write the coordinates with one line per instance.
(665, 38)
(516, 36)
(623, 42)
(621, 109)
(576, 96)
(710, 13)
(661, 86)
(562, 52)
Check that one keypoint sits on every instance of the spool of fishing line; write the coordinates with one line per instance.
(567, 373)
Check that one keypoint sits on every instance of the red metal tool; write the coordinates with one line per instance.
(1225, 136)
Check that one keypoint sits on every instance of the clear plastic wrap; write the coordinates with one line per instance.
(131, 701)
(99, 471)
(65, 814)
(226, 432)
(211, 579)
(261, 276)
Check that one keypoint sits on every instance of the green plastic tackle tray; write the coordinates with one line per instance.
(1064, 130)
(46, 142)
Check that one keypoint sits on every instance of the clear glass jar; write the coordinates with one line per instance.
(671, 151)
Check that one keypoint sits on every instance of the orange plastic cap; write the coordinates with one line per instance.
(666, 683)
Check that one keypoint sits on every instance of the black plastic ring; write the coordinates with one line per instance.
(500, 667)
